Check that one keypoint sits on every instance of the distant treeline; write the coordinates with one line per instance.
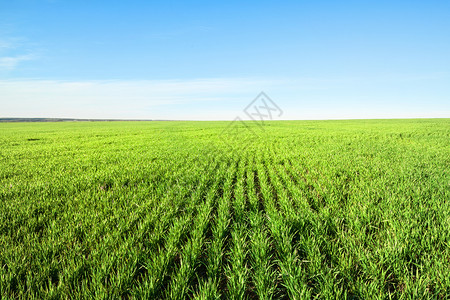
(61, 120)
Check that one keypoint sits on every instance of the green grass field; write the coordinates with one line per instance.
(292, 209)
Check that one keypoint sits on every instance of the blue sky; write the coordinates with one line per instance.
(207, 60)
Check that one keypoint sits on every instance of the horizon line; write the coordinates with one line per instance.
(56, 120)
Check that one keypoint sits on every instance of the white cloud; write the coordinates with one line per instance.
(14, 51)
(5, 45)
(11, 62)
(149, 99)
(220, 98)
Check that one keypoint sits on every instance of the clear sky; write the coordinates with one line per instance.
(207, 60)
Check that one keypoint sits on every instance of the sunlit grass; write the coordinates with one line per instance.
(301, 209)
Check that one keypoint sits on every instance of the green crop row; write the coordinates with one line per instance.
(174, 210)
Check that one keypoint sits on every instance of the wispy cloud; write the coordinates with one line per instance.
(223, 98)
(4, 45)
(153, 99)
(14, 51)
(11, 62)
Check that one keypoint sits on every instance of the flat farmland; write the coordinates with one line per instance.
(354, 209)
